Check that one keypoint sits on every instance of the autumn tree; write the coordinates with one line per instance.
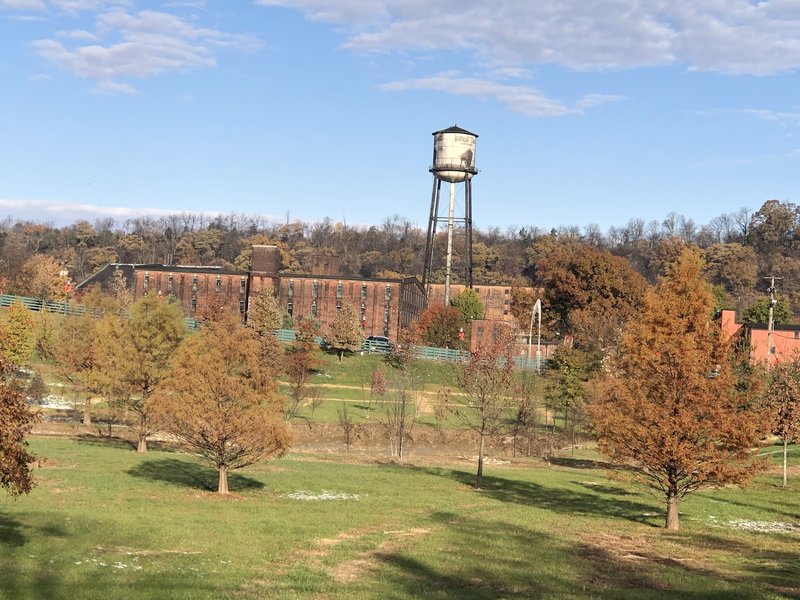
(139, 351)
(77, 355)
(17, 334)
(671, 403)
(16, 422)
(439, 326)
(344, 332)
(487, 381)
(588, 291)
(783, 404)
(219, 398)
(264, 314)
(40, 277)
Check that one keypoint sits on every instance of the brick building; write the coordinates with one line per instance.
(385, 305)
(785, 338)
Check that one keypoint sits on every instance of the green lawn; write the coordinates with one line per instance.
(106, 522)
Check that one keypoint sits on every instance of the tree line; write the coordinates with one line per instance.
(740, 248)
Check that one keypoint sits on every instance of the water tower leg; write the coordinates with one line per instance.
(468, 227)
(449, 267)
(426, 268)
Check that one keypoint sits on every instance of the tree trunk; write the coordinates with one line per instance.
(87, 412)
(142, 447)
(785, 450)
(673, 523)
(223, 480)
(479, 476)
(341, 356)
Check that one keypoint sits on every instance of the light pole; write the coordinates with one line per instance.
(537, 309)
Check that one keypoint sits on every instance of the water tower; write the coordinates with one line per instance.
(453, 162)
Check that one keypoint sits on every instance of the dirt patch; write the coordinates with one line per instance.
(369, 561)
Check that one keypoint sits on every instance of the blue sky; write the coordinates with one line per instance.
(588, 112)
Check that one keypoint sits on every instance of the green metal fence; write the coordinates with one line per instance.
(283, 335)
(65, 308)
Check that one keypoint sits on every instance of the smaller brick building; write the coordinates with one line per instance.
(785, 338)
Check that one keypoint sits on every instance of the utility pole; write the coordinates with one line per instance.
(771, 323)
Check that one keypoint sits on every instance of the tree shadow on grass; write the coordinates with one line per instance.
(11, 532)
(191, 475)
(585, 463)
(604, 502)
(120, 442)
(485, 559)
(45, 581)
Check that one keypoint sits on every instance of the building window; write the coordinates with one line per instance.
(194, 283)
(314, 290)
(314, 309)
(386, 315)
(363, 292)
(338, 306)
(194, 304)
(363, 312)
(388, 293)
(170, 283)
(241, 306)
(290, 290)
(146, 280)
(242, 285)
(290, 308)
(797, 335)
(339, 290)
(218, 287)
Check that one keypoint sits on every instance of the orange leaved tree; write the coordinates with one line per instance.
(670, 404)
(219, 397)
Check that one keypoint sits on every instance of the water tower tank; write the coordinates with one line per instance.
(454, 154)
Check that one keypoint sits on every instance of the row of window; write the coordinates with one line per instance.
(339, 291)
(195, 281)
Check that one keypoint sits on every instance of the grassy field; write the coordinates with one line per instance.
(105, 521)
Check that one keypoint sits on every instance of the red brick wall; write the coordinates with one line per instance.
(193, 290)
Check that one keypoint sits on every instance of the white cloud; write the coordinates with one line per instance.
(592, 100)
(525, 100)
(77, 34)
(782, 117)
(35, 5)
(115, 87)
(77, 6)
(732, 36)
(139, 45)
(44, 210)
